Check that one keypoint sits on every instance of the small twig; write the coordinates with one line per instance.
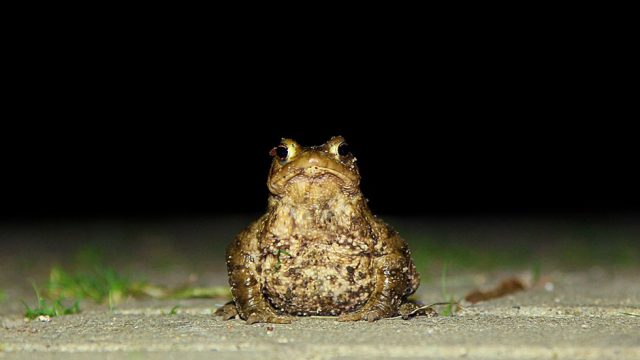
(630, 314)
(434, 304)
(414, 311)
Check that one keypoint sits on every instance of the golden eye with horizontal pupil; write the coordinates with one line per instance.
(286, 151)
(343, 149)
(280, 151)
(339, 147)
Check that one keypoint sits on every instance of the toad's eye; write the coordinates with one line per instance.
(286, 151)
(280, 151)
(343, 149)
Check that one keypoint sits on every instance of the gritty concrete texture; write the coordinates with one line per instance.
(573, 321)
(587, 313)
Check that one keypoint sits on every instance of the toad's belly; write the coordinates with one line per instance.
(318, 280)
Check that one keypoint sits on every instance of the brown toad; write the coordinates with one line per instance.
(318, 250)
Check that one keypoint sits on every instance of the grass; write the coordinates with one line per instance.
(519, 245)
(448, 311)
(99, 284)
(106, 285)
(91, 280)
(429, 255)
(174, 310)
(3, 296)
(194, 292)
(51, 309)
(536, 272)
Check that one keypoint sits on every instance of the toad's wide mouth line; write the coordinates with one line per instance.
(316, 172)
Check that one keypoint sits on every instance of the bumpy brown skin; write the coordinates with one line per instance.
(318, 250)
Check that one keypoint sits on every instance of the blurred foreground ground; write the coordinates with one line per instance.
(584, 301)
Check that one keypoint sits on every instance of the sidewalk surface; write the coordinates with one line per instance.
(592, 312)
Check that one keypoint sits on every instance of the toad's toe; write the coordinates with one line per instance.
(266, 317)
(228, 311)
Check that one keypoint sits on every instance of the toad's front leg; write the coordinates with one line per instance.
(391, 287)
(246, 289)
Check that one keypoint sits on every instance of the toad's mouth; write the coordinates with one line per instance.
(314, 173)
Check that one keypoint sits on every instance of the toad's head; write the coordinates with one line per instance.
(313, 172)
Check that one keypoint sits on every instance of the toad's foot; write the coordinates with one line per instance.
(228, 311)
(365, 314)
(266, 316)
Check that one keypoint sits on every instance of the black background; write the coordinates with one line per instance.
(432, 165)
(175, 127)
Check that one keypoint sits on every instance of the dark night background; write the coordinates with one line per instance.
(172, 128)
(499, 142)
(433, 164)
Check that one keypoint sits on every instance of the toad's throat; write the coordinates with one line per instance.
(320, 193)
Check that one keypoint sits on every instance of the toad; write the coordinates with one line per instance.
(318, 250)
